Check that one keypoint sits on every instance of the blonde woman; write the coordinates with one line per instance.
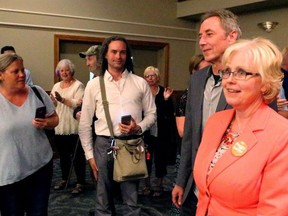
(241, 165)
(26, 156)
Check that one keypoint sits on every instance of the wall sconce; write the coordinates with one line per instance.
(268, 26)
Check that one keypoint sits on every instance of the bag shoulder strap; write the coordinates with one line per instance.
(37, 93)
(106, 105)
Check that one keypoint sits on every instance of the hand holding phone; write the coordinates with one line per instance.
(126, 120)
(40, 112)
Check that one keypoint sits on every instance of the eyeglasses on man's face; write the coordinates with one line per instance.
(238, 74)
(150, 76)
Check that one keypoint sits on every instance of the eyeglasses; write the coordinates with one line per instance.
(150, 75)
(238, 75)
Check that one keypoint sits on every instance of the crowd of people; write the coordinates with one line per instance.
(232, 121)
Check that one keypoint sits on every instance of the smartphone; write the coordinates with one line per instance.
(126, 119)
(40, 112)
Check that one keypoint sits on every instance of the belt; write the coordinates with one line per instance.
(130, 137)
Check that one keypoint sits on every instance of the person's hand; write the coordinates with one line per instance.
(177, 195)
(133, 128)
(79, 102)
(52, 98)
(281, 103)
(167, 93)
(94, 168)
(78, 115)
(58, 97)
(40, 123)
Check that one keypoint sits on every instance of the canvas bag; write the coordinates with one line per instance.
(129, 160)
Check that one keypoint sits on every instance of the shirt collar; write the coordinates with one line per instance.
(217, 81)
(109, 77)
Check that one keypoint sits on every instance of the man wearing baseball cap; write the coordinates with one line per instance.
(92, 56)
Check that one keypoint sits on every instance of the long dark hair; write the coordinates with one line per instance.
(104, 49)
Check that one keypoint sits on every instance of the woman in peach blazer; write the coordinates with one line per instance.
(241, 167)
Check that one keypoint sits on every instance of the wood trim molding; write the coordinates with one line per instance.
(146, 45)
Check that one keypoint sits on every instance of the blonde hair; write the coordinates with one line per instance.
(267, 58)
(152, 68)
(7, 59)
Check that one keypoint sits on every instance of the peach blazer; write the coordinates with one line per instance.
(251, 178)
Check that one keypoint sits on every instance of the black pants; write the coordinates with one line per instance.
(157, 154)
(66, 145)
(189, 206)
(29, 195)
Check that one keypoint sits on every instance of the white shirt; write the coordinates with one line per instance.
(128, 96)
(67, 124)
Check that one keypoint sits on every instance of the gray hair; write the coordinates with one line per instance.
(65, 62)
(228, 20)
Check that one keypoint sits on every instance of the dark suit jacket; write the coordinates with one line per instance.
(193, 127)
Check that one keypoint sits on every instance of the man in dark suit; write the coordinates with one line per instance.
(218, 29)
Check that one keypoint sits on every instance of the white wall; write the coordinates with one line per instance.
(30, 26)
(249, 21)
(279, 35)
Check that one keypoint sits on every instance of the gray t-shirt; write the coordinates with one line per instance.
(24, 149)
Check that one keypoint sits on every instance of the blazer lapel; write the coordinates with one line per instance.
(212, 140)
(197, 94)
(200, 83)
(247, 140)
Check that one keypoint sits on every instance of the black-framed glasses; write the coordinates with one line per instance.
(150, 75)
(238, 74)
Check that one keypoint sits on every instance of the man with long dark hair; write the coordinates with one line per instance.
(127, 94)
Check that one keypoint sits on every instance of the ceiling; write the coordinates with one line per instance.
(193, 9)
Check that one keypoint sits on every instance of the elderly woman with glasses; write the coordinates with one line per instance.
(241, 166)
(161, 138)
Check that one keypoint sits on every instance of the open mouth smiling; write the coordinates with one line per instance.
(232, 90)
